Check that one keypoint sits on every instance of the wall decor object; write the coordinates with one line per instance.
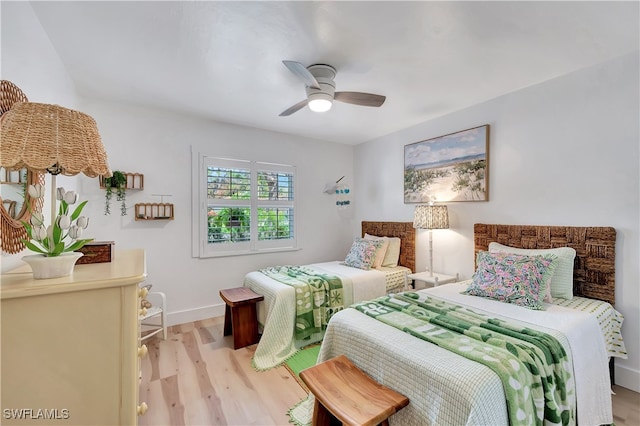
(453, 167)
(343, 196)
(156, 211)
(119, 182)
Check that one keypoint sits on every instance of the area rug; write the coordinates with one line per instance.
(304, 358)
(301, 414)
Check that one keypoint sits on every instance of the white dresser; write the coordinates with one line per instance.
(70, 345)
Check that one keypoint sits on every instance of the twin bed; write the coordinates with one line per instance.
(447, 388)
(276, 314)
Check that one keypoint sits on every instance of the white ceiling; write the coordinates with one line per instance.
(223, 60)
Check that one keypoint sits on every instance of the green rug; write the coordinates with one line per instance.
(301, 413)
(304, 358)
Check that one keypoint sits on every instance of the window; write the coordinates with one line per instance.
(244, 207)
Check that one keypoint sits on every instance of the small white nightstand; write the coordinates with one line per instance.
(435, 280)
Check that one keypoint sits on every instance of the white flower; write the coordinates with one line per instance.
(64, 221)
(37, 219)
(83, 222)
(39, 233)
(70, 197)
(75, 232)
(50, 240)
(50, 236)
(36, 191)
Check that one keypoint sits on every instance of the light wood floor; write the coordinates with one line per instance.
(194, 377)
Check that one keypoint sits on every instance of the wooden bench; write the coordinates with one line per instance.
(240, 315)
(345, 393)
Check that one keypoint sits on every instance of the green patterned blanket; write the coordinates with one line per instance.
(531, 365)
(318, 296)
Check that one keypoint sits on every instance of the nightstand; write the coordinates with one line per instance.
(434, 279)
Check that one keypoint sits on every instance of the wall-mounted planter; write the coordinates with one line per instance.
(134, 180)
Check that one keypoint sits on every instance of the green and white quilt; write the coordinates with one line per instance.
(533, 366)
(318, 296)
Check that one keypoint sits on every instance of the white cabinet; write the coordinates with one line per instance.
(70, 345)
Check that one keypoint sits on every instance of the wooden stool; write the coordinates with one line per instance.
(240, 315)
(343, 392)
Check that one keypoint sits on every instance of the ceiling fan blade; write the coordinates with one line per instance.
(294, 108)
(303, 73)
(359, 98)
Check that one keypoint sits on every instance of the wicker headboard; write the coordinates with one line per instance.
(404, 230)
(594, 273)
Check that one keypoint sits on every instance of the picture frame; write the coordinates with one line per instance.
(448, 168)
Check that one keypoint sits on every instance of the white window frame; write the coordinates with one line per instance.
(200, 246)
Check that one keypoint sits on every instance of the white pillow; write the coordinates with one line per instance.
(392, 255)
(562, 280)
(380, 253)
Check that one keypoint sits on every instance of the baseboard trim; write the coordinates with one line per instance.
(197, 314)
(627, 378)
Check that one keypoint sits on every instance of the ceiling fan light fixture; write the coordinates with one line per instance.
(320, 102)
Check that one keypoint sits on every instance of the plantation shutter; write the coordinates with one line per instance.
(249, 206)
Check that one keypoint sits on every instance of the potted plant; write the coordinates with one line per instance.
(117, 182)
(56, 243)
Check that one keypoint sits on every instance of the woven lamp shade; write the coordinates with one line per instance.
(40, 136)
(9, 95)
(431, 217)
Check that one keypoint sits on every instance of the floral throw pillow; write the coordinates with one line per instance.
(362, 253)
(512, 278)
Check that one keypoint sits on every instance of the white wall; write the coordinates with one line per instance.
(563, 152)
(158, 144)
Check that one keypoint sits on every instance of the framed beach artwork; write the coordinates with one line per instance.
(453, 167)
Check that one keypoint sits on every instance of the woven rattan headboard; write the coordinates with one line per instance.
(594, 273)
(404, 230)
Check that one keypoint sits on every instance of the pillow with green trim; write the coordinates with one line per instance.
(362, 253)
(512, 278)
(562, 280)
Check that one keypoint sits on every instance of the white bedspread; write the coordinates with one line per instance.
(445, 388)
(276, 313)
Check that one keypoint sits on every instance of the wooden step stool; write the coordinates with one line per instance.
(345, 393)
(240, 315)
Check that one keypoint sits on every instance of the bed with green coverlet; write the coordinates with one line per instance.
(446, 387)
(287, 324)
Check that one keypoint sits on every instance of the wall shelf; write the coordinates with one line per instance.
(134, 180)
(154, 211)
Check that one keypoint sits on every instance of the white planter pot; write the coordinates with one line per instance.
(52, 267)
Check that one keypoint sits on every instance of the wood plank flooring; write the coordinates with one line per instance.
(194, 377)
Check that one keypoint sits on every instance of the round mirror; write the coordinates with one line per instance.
(14, 184)
(14, 197)
(13, 188)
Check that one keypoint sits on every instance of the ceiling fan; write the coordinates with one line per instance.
(320, 88)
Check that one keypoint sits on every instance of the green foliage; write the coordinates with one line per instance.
(117, 182)
(229, 224)
(418, 181)
(233, 224)
(470, 178)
